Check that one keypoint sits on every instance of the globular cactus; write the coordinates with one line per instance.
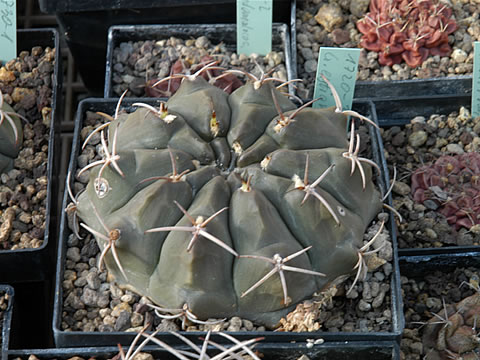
(218, 205)
(454, 332)
(11, 135)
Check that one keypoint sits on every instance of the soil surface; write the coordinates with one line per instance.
(311, 36)
(136, 63)
(26, 84)
(419, 144)
(93, 304)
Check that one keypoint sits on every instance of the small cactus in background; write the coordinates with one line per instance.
(218, 205)
(453, 184)
(168, 86)
(404, 30)
(454, 332)
(11, 135)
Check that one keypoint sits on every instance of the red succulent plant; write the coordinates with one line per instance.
(453, 183)
(409, 30)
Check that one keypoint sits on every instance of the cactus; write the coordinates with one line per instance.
(218, 205)
(407, 30)
(454, 334)
(11, 135)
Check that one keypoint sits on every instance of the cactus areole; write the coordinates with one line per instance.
(228, 205)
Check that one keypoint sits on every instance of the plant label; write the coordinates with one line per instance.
(254, 26)
(476, 80)
(339, 66)
(8, 30)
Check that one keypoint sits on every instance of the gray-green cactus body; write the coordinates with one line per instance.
(9, 146)
(242, 192)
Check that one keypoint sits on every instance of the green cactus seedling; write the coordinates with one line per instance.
(218, 205)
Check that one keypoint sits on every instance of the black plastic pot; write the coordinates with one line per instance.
(461, 84)
(401, 111)
(216, 33)
(81, 339)
(270, 351)
(37, 264)
(86, 23)
(6, 321)
(441, 269)
(416, 266)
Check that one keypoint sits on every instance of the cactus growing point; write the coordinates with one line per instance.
(210, 176)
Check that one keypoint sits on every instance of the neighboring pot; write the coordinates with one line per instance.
(429, 282)
(36, 264)
(392, 89)
(216, 34)
(399, 113)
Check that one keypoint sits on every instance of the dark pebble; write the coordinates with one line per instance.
(105, 328)
(430, 204)
(123, 321)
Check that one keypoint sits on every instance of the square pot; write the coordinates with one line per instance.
(37, 264)
(400, 112)
(65, 338)
(216, 33)
(428, 282)
(393, 89)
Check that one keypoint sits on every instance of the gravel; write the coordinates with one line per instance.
(26, 83)
(311, 35)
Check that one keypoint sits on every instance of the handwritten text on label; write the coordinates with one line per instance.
(339, 66)
(8, 29)
(254, 26)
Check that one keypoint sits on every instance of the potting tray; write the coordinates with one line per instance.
(6, 321)
(82, 339)
(270, 351)
(401, 111)
(216, 33)
(451, 85)
(56, 6)
(37, 264)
